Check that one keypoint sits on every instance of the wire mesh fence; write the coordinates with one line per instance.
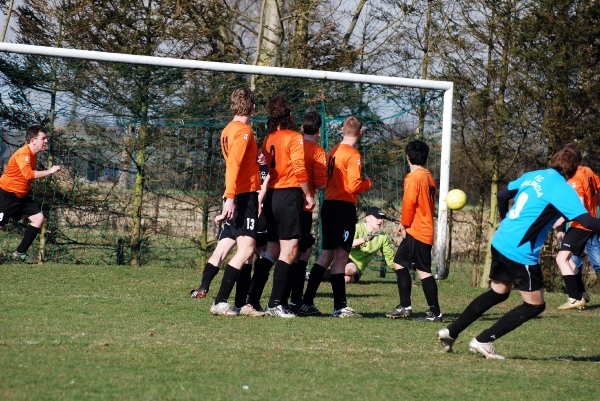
(143, 174)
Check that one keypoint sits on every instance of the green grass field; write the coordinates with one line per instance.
(123, 333)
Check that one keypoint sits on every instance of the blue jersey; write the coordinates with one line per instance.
(542, 197)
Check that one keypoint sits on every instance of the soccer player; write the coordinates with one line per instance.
(225, 244)
(586, 184)
(541, 197)
(416, 229)
(284, 151)
(368, 240)
(242, 181)
(338, 220)
(15, 184)
(315, 161)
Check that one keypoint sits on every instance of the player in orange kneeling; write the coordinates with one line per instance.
(338, 220)
(416, 227)
(15, 184)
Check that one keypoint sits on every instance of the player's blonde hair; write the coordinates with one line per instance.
(352, 126)
(242, 100)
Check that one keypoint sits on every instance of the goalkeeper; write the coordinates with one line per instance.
(368, 240)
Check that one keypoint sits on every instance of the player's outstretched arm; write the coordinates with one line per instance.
(46, 173)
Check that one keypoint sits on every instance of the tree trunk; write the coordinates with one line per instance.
(138, 195)
(422, 110)
(492, 223)
(271, 32)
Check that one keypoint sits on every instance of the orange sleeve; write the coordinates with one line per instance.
(356, 185)
(409, 201)
(596, 182)
(297, 159)
(236, 148)
(25, 167)
(320, 167)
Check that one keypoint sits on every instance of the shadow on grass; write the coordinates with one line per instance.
(566, 358)
(348, 295)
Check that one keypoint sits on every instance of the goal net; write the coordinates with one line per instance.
(138, 138)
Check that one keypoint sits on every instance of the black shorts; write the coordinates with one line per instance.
(575, 240)
(261, 230)
(245, 218)
(306, 238)
(261, 239)
(11, 206)
(283, 209)
(338, 224)
(261, 227)
(524, 277)
(414, 254)
(226, 232)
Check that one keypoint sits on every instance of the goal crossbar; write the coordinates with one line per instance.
(447, 87)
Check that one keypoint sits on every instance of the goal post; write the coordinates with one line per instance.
(446, 87)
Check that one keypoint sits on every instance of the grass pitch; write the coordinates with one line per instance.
(123, 333)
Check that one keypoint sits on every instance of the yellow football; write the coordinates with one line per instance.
(456, 199)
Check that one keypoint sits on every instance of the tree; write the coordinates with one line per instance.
(492, 118)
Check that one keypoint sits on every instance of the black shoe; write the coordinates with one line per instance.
(307, 310)
(586, 297)
(256, 307)
(198, 293)
(429, 317)
(400, 311)
(23, 257)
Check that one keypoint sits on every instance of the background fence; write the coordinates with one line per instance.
(143, 170)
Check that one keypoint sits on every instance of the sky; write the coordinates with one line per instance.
(9, 33)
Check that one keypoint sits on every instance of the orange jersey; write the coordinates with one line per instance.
(315, 160)
(586, 184)
(240, 153)
(284, 151)
(418, 205)
(20, 172)
(344, 178)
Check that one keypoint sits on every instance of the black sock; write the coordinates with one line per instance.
(510, 321)
(280, 275)
(252, 279)
(229, 278)
(209, 273)
(262, 268)
(30, 233)
(289, 282)
(298, 283)
(572, 287)
(338, 286)
(430, 290)
(314, 280)
(242, 285)
(476, 308)
(579, 279)
(404, 286)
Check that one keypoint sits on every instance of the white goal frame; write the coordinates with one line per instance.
(447, 87)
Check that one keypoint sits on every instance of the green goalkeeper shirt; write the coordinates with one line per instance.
(363, 254)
